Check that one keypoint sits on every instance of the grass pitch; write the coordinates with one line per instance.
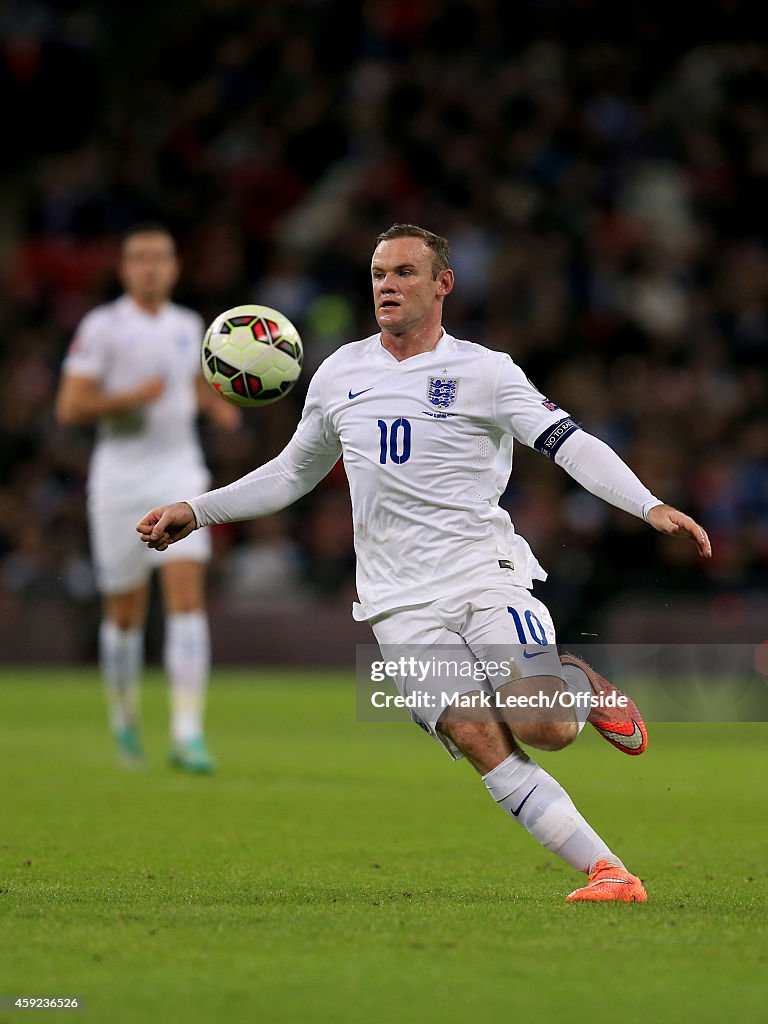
(336, 871)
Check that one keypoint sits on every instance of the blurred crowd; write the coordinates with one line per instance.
(599, 170)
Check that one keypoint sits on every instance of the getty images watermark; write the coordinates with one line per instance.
(410, 670)
(669, 682)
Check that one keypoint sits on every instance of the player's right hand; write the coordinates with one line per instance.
(166, 525)
(151, 389)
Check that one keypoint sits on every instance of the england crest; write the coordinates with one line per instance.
(441, 391)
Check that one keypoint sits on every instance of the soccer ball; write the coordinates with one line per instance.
(252, 355)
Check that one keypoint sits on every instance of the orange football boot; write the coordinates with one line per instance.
(623, 727)
(609, 884)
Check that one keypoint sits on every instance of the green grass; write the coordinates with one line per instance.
(348, 872)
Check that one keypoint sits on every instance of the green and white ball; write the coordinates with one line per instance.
(252, 355)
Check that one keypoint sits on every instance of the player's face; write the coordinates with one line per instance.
(405, 291)
(149, 267)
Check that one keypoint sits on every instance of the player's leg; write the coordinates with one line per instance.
(187, 656)
(512, 632)
(520, 786)
(615, 715)
(547, 699)
(532, 708)
(121, 657)
(538, 802)
(122, 577)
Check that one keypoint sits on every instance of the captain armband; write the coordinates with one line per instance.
(550, 440)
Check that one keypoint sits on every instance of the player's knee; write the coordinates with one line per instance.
(126, 611)
(546, 735)
(532, 709)
(183, 587)
(559, 734)
(184, 605)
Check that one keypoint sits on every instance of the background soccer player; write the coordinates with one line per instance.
(426, 424)
(134, 369)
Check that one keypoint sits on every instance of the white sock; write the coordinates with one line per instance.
(187, 662)
(577, 682)
(121, 655)
(525, 791)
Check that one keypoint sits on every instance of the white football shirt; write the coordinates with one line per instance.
(427, 447)
(122, 345)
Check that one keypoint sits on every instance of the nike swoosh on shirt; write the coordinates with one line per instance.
(522, 802)
(533, 654)
(356, 394)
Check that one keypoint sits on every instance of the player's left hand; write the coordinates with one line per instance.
(666, 519)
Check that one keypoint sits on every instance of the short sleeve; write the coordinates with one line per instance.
(521, 410)
(197, 328)
(196, 334)
(88, 353)
(314, 432)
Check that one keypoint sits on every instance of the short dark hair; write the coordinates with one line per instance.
(438, 246)
(148, 227)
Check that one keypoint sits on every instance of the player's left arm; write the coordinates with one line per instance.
(522, 410)
(220, 413)
(597, 467)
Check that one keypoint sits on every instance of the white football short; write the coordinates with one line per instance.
(487, 638)
(121, 561)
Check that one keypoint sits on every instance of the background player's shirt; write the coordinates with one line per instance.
(121, 345)
(427, 447)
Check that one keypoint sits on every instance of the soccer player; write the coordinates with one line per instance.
(134, 369)
(426, 423)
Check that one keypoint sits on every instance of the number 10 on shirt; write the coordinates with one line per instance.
(395, 440)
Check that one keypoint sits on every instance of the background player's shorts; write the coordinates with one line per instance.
(121, 561)
(507, 626)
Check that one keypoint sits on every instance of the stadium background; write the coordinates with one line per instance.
(599, 170)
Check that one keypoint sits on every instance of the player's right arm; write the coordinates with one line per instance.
(268, 489)
(310, 455)
(82, 399)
